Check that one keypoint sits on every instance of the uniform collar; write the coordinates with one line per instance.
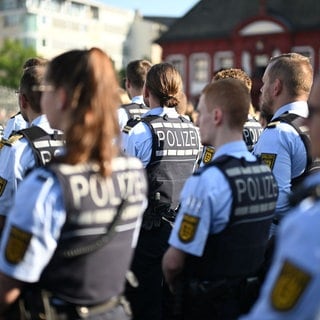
(230, 148)
(298, 107)
(137, 99)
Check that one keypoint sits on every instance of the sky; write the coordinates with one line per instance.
(170, 8)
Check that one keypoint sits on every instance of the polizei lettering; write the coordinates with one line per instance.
(106, 191)
(256, 188)
(177, 138)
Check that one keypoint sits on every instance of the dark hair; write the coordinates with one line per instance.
(90, 81)
(165, 83)
(136, 72)
(32, 76)
(36, 61)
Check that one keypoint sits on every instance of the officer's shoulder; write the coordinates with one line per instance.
(12, 139)
(130, 124)
(273, 124)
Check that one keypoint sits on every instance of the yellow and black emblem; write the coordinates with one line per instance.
(290, 285)
(269, 159)
(17, 245)
(3, 183)
(188, 228)
(208, 155)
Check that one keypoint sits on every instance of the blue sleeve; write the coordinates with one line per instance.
(139, 143)
(291, 289)
(32, 228)
(288, 159)
(205, 209)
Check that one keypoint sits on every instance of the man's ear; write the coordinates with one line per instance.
(217, 115)
(277, 87)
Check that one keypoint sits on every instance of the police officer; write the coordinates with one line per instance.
(27, 148)
(251, 128)
(282, 145)
(218, 242)
(136, 73)
(291, 289)
(167, 144)
(67, 245)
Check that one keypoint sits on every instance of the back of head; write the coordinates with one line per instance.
(89, 80)
(165, 83)
(33, 76)
(234, 74)
(36, 61)
(294, 70)
(233, 97)
(136, 72)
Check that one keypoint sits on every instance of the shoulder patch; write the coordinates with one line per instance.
(188, 228)
(17, 245)
(289, 287)
(3, 183)
(269, 159)
(208, 155)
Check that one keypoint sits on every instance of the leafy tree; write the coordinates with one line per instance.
(13, 54)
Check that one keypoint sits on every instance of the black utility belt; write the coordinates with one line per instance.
(84, 311)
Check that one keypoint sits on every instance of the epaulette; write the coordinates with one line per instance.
(273, 124)
(130, 124)
(12, 139)
(126, 129)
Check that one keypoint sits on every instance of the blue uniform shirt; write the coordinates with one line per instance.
(16, 160)
(123, 115)
(285, 151)
(207, 198)
(15, 123)
(36, 220)
(139, 140)
(292, 287)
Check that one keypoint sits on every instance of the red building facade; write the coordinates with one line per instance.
(217, 34)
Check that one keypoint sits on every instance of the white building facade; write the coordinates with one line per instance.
(54, 26)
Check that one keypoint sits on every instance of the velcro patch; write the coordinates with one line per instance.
(208, 155)
(188, 228)
(3, 183)
(290, 285)
(17, 245)
(269, 159)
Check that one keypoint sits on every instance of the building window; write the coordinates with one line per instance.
(305, 51)
(200, 67)
(223, 60)
(199, 72)
(178, 60)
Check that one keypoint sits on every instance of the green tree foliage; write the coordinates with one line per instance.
(13, 54)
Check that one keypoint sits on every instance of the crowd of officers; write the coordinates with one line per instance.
(112, 210)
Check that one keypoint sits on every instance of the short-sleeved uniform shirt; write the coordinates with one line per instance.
(205, 202)
(291, 289)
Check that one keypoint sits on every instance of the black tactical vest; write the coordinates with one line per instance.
(44, 145)
(134, 110)
(296, 122)
(251, 132)
(175, 147)
(238, 250)
(94, 249)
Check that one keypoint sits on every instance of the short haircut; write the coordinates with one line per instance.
(235, 74)
(294, 70)
(136, 72)
(232, 96)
